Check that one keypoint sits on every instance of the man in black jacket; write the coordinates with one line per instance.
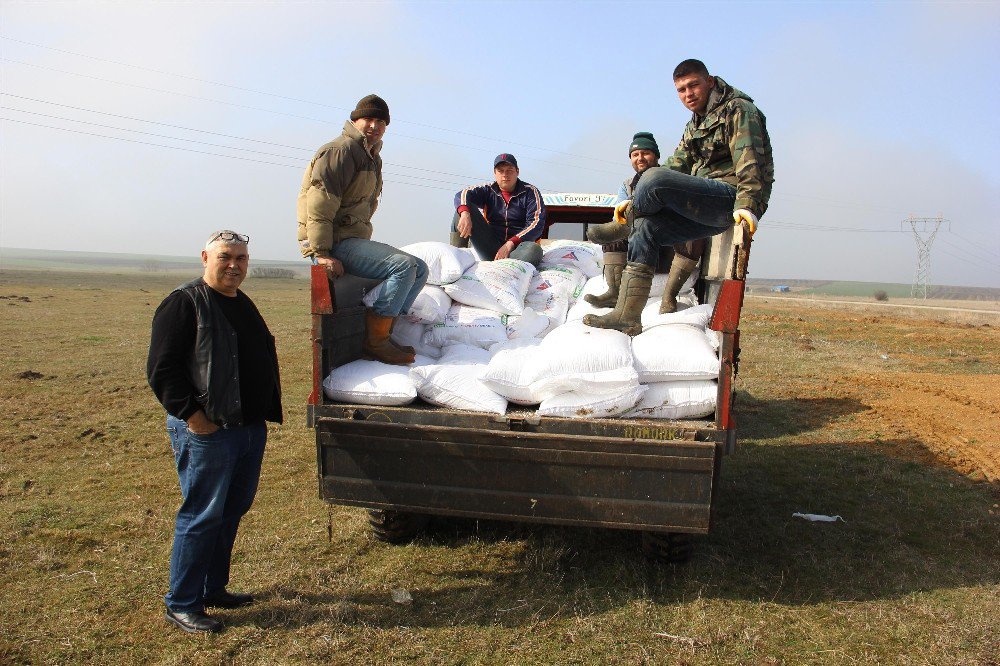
(213, 366)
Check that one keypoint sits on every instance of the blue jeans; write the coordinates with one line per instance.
(670, 207)
(404, 275)
(486, 242)
(218, 474)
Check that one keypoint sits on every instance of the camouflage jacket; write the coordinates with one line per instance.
(339, 193)
(729, 143)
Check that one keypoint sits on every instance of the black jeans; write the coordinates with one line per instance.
(486, 241)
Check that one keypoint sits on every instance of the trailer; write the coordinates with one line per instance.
(406, 464)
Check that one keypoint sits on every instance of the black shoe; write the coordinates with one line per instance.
(195, 622)
(223, 599)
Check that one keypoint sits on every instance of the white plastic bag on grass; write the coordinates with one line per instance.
(583, 255)
(573, 357)
(580, 405)
(473, 326)
(445, 263)
(409, 333)
(676, 400)
(674, 352)
(454, 381)
(365, 382)
(494, 285)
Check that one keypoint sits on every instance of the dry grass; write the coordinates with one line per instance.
(87, 495)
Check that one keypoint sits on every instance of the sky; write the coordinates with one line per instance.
(142, 127)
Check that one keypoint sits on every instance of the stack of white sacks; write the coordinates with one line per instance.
(492, 332)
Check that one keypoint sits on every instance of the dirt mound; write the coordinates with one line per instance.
(956, 416)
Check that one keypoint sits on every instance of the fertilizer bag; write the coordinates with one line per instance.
(494, 285)
(366, 382)
(445, 263)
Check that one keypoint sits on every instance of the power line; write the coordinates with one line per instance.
(969, 256)
(828, 202)
(297, 99)
(220, 134)
(200, 152)
(794, 226)
(978, 246)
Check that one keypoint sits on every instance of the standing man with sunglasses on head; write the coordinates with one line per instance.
(338, 196)
(213, 366)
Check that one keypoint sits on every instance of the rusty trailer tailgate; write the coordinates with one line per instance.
(654, 484)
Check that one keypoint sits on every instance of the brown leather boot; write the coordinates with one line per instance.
(680, 270)
(614, 264)
(377, 346)
(637, 279)
(456, 240)
(403, 348)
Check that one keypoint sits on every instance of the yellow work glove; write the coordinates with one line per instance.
(743, 216)
(621, 211)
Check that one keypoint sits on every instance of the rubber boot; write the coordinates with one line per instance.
(456, 240)
(614, 264)
(680, 270)
(403, 348)
(377, 346)
(611, 232)
(637, 279)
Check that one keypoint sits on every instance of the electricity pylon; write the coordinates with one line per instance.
(928, 226)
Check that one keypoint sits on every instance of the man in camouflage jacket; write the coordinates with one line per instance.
(720, 174)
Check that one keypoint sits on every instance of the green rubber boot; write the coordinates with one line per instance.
(614, 264)
(637, 279)
(680, 270)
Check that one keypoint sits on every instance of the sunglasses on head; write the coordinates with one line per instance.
(230, 236)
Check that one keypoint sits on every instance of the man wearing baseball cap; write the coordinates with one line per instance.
(503, 218)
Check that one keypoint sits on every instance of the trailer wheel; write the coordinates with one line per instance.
(396, 527)
(673, 547)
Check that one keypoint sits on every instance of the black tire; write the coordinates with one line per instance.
(673, 547)
(396, 526)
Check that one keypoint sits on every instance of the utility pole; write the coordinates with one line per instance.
(929, 227)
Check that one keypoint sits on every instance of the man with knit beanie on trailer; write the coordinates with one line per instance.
(339, 195)
(643, 153)
(719, 175)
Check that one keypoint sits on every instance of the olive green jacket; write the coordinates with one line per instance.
(339, 193)
(729, 143)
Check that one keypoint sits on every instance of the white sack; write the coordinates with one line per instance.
(365, 382)
(514, 343)
(445, 263)
(580, 405)
(594, 286)
(409, 333)
(675, 352)
(571, 358)
(697, 315)
(429, 307)
(529, 325)
(676, 400)
(473, 326)
(579, 254)
(454, 381)
(553, 289)
(494, 285)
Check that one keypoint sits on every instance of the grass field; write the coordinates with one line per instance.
(888, 422)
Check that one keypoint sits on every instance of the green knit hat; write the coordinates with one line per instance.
(644, 141)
